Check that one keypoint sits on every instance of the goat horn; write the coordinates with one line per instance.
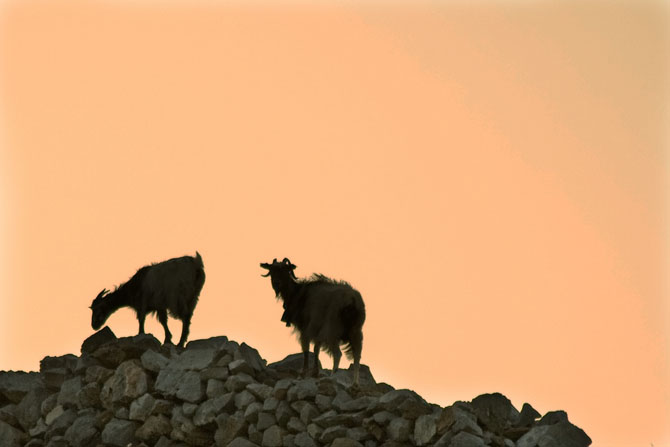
(266, 275)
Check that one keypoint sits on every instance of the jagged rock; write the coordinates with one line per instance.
(141, 408)
(119, 433)
(8, 414)
(553, 417)
(238, 382)
(293, 363)
(332, 433)
(295, 425)
(48, 404)
(252, 411)
(314, 431)
(10, 436)
(58, 441)
(39, 429)
(54, 414)
(270, 404)
(134, 347)
(98, 374)
(129, 382)
(241, 442)
(395, 398)
(307, 413)
(323, 402)
(27, 412)
(358, 404)
(95, 341)
(284, 413)
(465, 439)
(265, 420)
(260, 390)
(14, 385)
(424, 429)
(89, 396)
(189, 409)
(61, 423)
(345, 442)
(153, 428)
(215, 388)
(281, 388)
(562, 434)
(304, 440)
(109, 355)
(527, 416)
(220, 373)
(153, 361)
(207, 411)
(121, 413)
(168, 380)
(193, 359)
(358, 434)
(244, 399)
(457, 418)
(495, 412)
(399, 429)
(302, 389)
(251, 357)
(83, 431)
(240, 366)
(67, 397)
(272, 437)
(383, 417)
(230, 427)
(190, 388)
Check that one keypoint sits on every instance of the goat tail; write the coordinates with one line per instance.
(353, 317)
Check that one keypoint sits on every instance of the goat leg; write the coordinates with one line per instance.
(317, 348)
(141, 315)
(184, 332)
(162, 317)
(304, 342)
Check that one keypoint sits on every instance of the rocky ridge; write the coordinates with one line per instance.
(133, 391)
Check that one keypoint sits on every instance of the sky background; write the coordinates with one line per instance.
(491, 176)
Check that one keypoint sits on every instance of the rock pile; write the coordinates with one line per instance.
(135, 392)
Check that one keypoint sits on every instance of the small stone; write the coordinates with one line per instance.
(304, 440)
(241, 442)
(67, 397)
(295, 425)
(265, 420)
(261, 391)
(424, 429)
(153, 428)
(240, 366)
(153, 361)
(92, 343)
(244, 399)
(272, 437)
(215, 388)
(141, 408)
(465, 439)
(346, 442)
(190, 388)
(399, 429)
(332, 433)
(238, 382)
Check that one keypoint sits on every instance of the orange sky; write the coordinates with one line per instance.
(491, 177)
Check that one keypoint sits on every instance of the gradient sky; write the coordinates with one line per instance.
(491, 177)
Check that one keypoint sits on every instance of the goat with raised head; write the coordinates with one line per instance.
(323, 311)
(169, 287)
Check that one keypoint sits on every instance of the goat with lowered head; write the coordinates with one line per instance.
(325, 312)
(169, 287)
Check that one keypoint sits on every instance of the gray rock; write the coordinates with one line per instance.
(261, 391)
(241, 442)
(272, 437)
(39, 429)
(358, 434)
(265, 420)
(163, 407)
(244, 399)
(153, 428)
(288, 440)
(252, 411)
(495, 412)
(27, 412)
(302, 390)
(383, 417)
(323, 402)
(141, 408)
(89, 395)
(307, 413)
(270, 404)
(424, 429)
(57, 441)
(238, 382)
(190, 387)
(53, 378)
(456, 419)
(284, 413)
(553, 417)
(61, 423)
(332, 433)
(395, 399)
(399, 429)
(293, 363)
(67, 397)
(128, 382)
(14, 385)
(109, 355)
(215, 372)
(195, 359)
(121, 413)
(215, 388)
(215, 343)
(48, 404)
(465, 439)
(95, 341)
(295, 425)
(8, 414)
(119, 433)
(189, 409)
(341, 398)
(358, 404)
(230, 427)
(251, 356)
(168, 380)
(332, 418)
(83, 431)
(153, 361)
(527, 416)
(562, 434)
(314, 431)
(10, 436)
(240, 366)
(54, 414)
(281, 388)
(304, 440)
(346, 442)
(208, 410)
(98, 374)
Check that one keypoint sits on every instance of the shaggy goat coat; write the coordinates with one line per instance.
(323, 311)
(169, 287)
